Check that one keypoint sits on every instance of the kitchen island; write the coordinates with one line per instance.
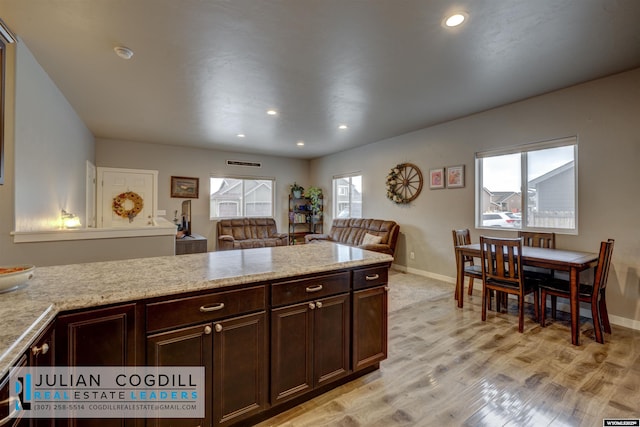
(324, 288)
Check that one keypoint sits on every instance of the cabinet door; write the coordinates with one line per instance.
(100, 337)
(6, 405)
(331, 323)
(309, 346)
(240, 361)
(41, 353)
(291, 346)
(184, 347)
(369, 327)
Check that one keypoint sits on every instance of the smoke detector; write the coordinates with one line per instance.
(123, 52)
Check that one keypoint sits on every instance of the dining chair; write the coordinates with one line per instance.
(502, 272)
(539, 240)
(595, 293)
(472, 271)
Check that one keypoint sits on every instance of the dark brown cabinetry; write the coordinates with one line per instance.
(260, 344)
(231, 345)
(42, 353)
(6, 406)
(240, 369)
(109, 336)
(310, 334)
(369, 345)
(190, 346)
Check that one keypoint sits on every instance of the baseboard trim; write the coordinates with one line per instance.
(615, 320)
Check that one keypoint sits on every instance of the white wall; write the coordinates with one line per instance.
(199, 163)
(46, 149)
(603, 114)
(54, 145)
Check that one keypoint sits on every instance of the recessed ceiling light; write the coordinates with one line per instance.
(123, 52)
(455, 20)
(343, 127)
(300, 143)
(272, 112)
(241, 135)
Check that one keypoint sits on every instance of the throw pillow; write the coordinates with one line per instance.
(370, 239)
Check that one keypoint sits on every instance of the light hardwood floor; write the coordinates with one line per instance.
(448, 368)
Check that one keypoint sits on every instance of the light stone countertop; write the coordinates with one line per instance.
(26, 312)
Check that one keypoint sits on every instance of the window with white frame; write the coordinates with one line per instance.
(347, 196)
(236, 197)
(529, 187)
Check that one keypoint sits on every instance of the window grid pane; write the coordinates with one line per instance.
(550, 174)
(233, 197)
(347, 194)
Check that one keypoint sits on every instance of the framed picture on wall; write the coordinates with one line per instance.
(436, 178)
(455, 176)
(184, 187)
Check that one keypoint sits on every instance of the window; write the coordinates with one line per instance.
(347, 194)
(549, 173)
(236, 197)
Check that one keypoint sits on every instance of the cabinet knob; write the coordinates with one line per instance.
(319, 304)
(312, 306)
(218, 327)
(386, 289)
(43, 349)
(207, 330)
(212, 307)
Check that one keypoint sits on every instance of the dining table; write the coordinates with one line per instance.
(569, 261)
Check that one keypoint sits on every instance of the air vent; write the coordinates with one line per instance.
(241, 163)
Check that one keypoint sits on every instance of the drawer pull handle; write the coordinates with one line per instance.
(218, 327)
(43, 349)
(212, 307)
(373, 277)
(316, 288)
(207, 330)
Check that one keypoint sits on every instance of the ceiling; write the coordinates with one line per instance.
(204, 71)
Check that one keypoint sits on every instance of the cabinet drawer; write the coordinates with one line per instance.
(295, 291)
(186, 311)
(368, 277)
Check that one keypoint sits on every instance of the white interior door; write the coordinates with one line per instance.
(114, 182)
(90, 184)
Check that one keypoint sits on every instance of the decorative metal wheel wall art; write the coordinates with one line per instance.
(404, 183)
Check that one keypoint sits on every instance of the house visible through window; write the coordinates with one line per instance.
(347, 196)
(237, 197)
(545, 172)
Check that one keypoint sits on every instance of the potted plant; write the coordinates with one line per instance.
(296, 190)
(315, 201)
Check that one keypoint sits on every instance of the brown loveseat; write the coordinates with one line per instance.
(354, 231)
(243, 233)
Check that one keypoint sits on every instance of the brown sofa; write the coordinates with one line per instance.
(243, 233)
(353, 231)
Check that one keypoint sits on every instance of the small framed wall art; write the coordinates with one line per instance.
(436, 178)
(186, 188)
(455, 176)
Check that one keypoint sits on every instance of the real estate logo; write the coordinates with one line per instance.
(107, 392)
